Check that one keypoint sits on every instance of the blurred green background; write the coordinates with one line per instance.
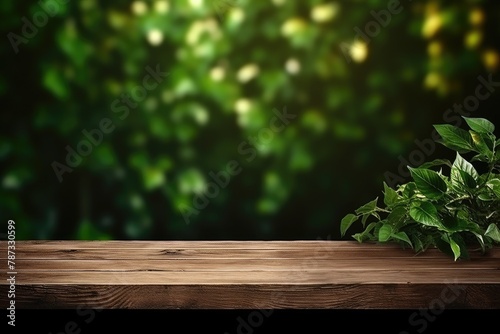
(355, 106)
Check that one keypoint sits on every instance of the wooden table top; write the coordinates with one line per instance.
(246, 275)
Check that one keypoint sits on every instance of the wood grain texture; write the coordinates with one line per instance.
(246, 274)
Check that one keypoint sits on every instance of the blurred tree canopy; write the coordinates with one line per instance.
(223, 119)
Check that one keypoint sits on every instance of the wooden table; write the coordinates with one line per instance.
(246, 275)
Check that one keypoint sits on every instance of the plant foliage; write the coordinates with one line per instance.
(450, 210)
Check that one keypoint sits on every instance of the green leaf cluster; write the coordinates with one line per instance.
(453, 211)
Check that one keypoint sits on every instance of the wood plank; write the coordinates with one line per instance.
(252, 264)
(360, 276)
(226, 244)
(341, 296)
(300, 245)
(253, 274)
(215, 249)
(220, 253)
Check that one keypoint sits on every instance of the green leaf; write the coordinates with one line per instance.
(494, 184)
(457, 237)
(360, 237)
(347, 222)
(455, 138)
(488, 139)
(493, 232)
(397, 217)
(368, 207)
(403, 237)
(462, 164)
(390, 195)
(480, 240)
(367, 215)
(429, 183)
(467, 180)
(436, 162)
(463, 174)
(419, 245)
(480, 125)
(455, 248)
(409, 189)
(458, 224)
(480, 157)
(482, 144)
(384, 233)
(486, 197)
(426, 214)
(443, 244)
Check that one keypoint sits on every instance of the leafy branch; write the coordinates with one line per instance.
(434, 210)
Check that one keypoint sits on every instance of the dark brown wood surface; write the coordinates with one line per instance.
(246, 275)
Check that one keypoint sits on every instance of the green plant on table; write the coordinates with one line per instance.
(452, 212)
